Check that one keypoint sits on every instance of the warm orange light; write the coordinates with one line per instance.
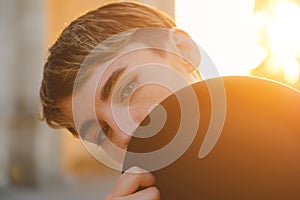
(291, 70)
(283, 35)
(223, 29)
(230, 32)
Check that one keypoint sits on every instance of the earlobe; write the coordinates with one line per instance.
(185, 46)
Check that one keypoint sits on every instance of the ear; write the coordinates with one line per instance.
(186, 47)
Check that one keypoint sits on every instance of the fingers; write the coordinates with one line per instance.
(131, 180)
(126, 186)
(151, 193)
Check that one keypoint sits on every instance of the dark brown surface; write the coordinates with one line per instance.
(256, 157)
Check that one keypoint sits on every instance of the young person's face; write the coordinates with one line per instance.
(115, 99)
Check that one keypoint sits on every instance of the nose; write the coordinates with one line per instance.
(123, 125)
(120, 138)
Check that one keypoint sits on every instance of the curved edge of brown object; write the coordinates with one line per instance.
(256, 157)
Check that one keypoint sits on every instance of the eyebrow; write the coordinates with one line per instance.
(110, 83)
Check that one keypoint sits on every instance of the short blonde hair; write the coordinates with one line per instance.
(77, 41)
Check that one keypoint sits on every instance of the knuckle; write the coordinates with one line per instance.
(154, 193)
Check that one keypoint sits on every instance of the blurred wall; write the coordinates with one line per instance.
(25, 156)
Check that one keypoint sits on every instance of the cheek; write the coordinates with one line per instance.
(144, 100)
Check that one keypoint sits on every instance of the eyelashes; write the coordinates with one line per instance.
(102, 134)
(123, 93)
(127, 90)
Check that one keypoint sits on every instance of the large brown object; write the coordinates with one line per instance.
(256, 157)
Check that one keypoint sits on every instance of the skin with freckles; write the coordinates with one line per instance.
(130, 93)
(125, 89)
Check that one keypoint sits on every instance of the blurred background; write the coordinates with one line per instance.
(250, 37)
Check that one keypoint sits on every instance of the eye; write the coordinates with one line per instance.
(128, 89)
(103, 134)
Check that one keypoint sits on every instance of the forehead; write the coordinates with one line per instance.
(81, 104)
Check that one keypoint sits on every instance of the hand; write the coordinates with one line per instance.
(128, 183)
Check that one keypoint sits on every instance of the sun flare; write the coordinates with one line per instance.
(283, 35)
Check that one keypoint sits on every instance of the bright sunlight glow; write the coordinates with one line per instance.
(229, 32)
(224, 30)
(291, 69)
(283, 34)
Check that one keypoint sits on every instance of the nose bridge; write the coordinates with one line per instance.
(121, 135)
(123, 121)
(120, 126)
